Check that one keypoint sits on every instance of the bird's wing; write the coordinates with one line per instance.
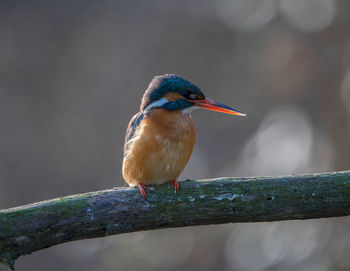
(133, 124)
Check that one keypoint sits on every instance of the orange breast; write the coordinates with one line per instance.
(159, 149)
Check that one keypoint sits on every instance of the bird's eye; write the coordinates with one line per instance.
(194, 96)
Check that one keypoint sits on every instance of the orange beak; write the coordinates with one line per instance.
(212, 105)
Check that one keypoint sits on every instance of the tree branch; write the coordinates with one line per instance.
(32, 227)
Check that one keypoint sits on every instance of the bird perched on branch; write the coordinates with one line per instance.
(160, 138)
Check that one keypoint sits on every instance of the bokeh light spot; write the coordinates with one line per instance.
(309, 15)
(246, 14)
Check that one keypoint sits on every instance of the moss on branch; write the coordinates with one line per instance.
(32, 227)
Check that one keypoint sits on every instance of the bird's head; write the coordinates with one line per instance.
(172, 92)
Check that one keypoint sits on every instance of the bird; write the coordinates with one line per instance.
(160, 138)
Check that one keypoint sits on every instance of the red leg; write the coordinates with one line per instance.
(142, 188)
(175, 184)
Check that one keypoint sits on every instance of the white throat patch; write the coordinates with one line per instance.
(189, 110)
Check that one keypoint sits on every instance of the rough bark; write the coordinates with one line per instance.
(32, 227)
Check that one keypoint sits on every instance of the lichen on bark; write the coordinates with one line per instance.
(32, 227)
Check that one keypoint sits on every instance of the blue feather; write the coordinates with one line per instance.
(133, 124)
(177, 105)
(162, 84)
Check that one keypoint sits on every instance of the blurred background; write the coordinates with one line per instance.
(72, 74)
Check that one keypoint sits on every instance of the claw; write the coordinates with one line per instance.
(175, 184)
(142, 188)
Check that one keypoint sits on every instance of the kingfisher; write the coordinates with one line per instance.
(160, 137)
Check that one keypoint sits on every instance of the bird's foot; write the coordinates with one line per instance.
(142, 188)
(175, 184)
